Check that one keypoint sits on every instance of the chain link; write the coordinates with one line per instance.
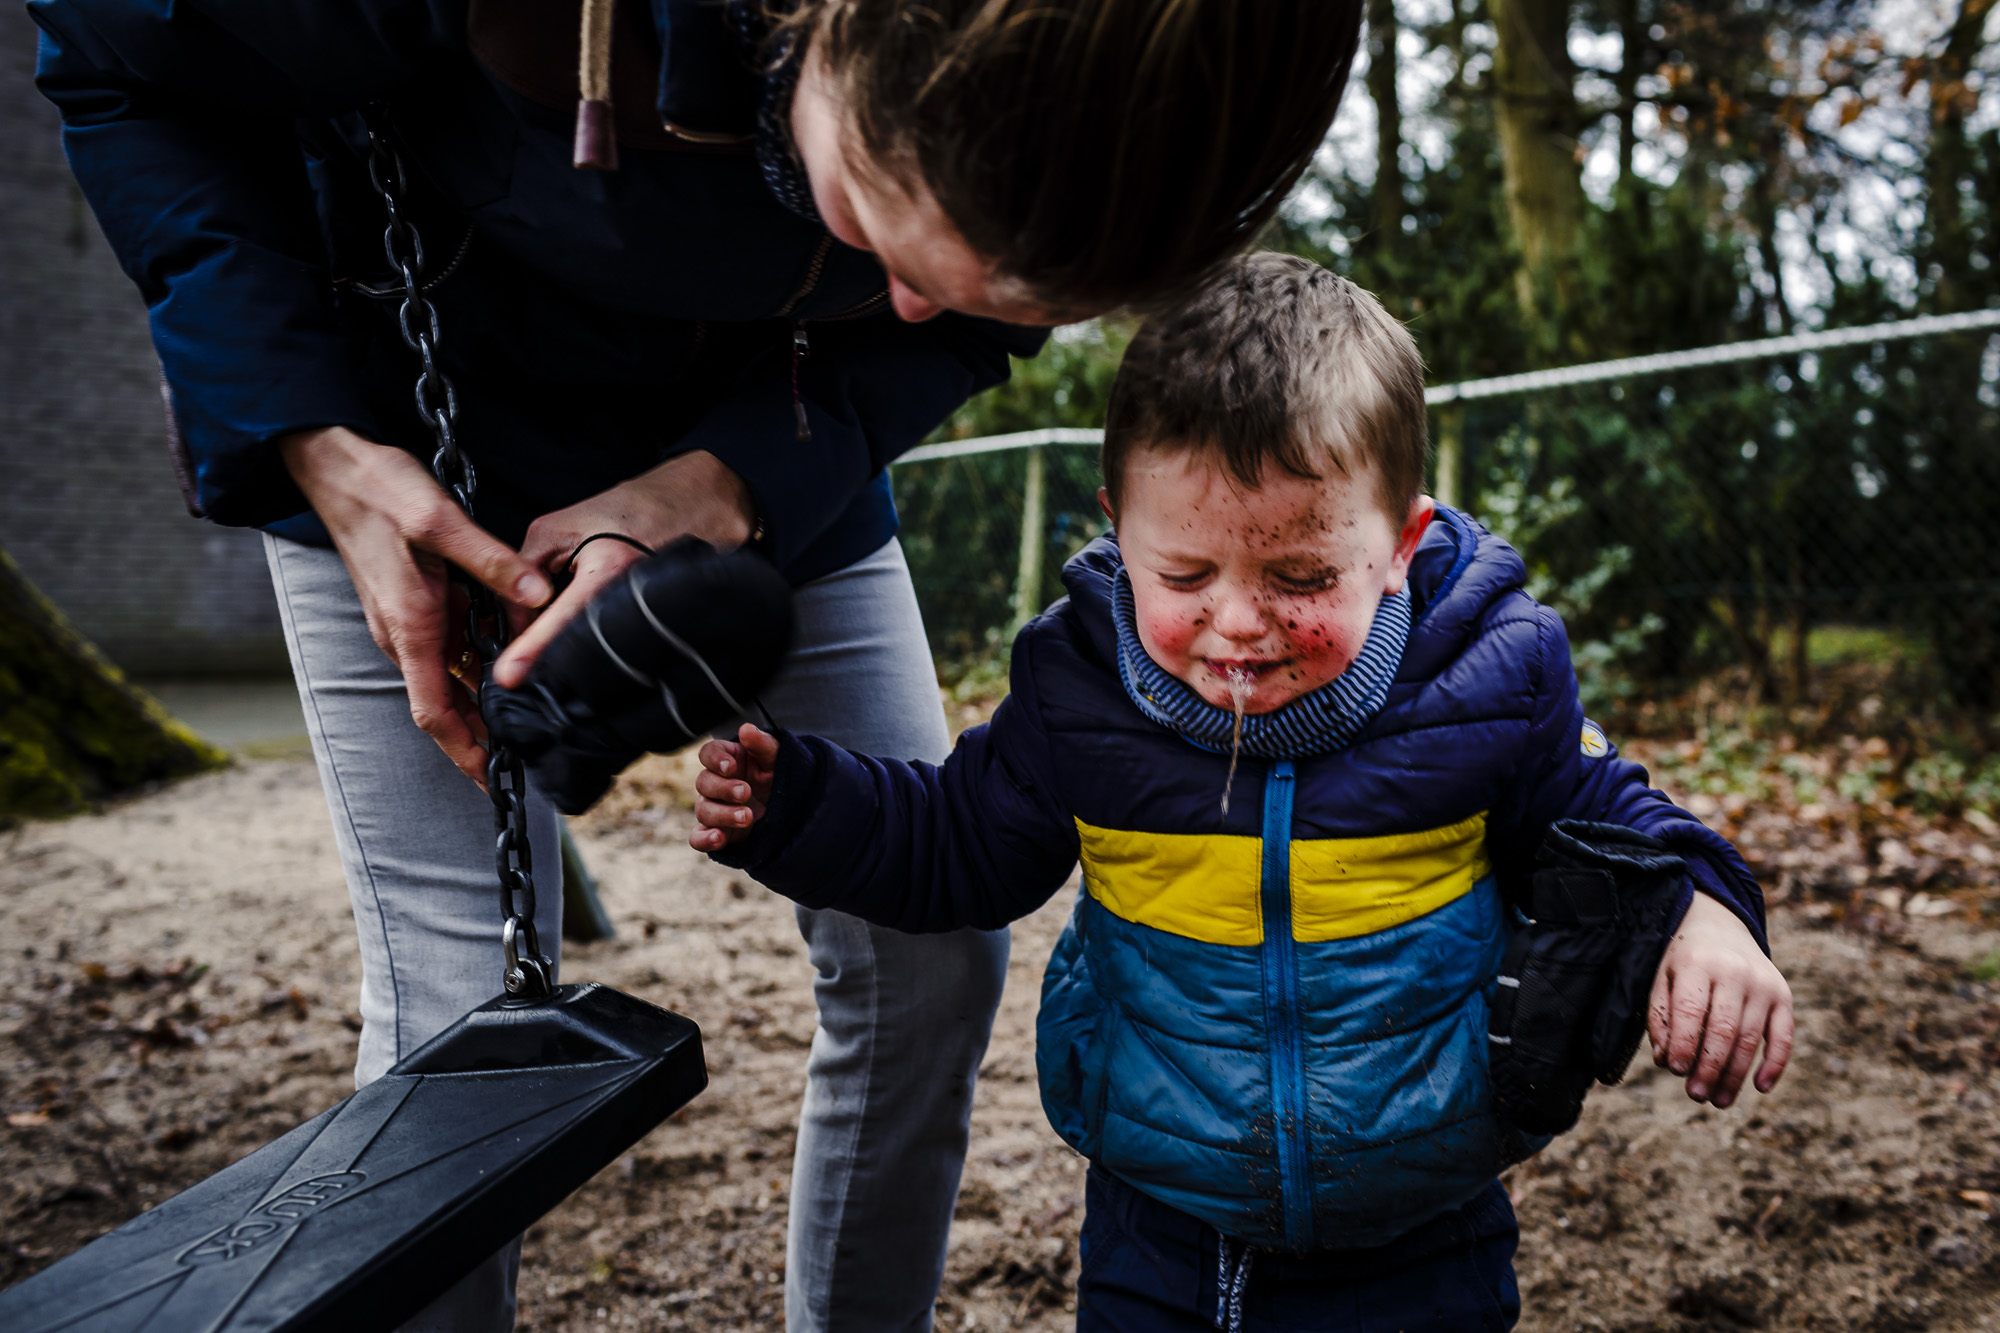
(530, 974)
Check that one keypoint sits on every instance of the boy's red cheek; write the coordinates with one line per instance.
(1173, 635)
(1317, 642)
(1172, 632)
(1313, 637)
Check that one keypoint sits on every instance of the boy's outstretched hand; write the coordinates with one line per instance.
(1716, 998)
(732, 787)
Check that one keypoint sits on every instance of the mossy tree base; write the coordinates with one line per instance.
(73, 730)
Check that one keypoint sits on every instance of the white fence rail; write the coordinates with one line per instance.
(1631, 367)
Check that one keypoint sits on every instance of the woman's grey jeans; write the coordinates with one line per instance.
(903, 1019)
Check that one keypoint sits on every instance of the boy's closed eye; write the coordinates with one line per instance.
(1186, 579)
(1307, 581)
(1290, 579)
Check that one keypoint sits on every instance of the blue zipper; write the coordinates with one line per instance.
(1281, 1010)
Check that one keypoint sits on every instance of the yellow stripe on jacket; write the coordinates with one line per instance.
(1207, 887)
(1344, 887)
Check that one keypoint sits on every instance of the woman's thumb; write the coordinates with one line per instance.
(491, 561)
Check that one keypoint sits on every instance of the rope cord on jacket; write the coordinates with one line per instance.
(596, 146)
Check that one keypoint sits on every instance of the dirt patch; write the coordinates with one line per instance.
(178, 977)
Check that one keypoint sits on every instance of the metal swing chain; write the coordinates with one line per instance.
(530, 974)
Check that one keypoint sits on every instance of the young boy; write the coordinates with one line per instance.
(1266, 1024)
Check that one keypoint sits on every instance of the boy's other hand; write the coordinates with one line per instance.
(1715, 999)
(733, 786)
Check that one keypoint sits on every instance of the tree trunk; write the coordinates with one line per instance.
(1631, 64)
(1382, 32)
(1454, 35)
(72, 729)
(1533, 81)
(1949, 159)
(1764, 217)
(1964, 629)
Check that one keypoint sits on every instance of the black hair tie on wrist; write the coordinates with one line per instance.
(569, 565)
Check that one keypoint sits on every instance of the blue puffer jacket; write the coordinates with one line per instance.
(1273, 1019)
(594, 323)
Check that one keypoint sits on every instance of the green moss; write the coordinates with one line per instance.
(72, 729)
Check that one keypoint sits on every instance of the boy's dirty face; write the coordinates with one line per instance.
(1275, 587)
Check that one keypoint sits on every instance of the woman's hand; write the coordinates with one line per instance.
(692, 494)
(734, 787)
(396, 529)
(1716, 998)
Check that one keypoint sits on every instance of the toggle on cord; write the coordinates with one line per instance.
(361, 1217)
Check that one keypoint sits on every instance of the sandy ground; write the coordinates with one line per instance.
(177, 982)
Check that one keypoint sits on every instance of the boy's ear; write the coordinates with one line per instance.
(1104, 503)
(1422, 510)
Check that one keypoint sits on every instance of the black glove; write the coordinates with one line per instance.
(678, 646)
(1570, 1005)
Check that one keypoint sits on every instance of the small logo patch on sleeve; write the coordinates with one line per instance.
(1594, 744)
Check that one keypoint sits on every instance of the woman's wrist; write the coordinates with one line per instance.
(698, 495)
(355, 484)
(325, 454)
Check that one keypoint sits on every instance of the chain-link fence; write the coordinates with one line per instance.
(977, 565)
(1688, 518)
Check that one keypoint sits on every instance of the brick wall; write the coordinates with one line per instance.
(89, 507)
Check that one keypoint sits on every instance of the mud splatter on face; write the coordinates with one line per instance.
(1277, 583)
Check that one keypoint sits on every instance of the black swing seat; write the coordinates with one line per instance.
(359, 1218)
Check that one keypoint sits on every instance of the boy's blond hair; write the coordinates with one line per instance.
(1277, 362)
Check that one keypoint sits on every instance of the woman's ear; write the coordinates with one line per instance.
(1422, 510)
(1104, 503)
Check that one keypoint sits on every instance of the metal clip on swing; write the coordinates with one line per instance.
(364, 1215)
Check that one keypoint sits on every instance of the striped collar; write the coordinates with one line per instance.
(1318, 723)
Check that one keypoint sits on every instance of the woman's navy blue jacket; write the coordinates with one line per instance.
(1272, 1018)
(594, 323)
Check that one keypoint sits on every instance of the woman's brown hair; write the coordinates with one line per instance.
(1101, 152)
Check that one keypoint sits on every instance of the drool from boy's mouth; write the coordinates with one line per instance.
(1242, 683)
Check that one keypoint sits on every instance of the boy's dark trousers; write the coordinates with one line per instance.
(1148, 1268)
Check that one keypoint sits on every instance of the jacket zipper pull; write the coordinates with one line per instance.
(801, 349)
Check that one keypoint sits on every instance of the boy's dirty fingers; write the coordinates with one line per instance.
(1749, 1036)
(723, 757)
(1724, 1022)
(760, 745)
(1659, 1016)
(1778, 1033)
(726, 791)
(1689, 1010)
(709, 839)
(729, 817)
(760, 761)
